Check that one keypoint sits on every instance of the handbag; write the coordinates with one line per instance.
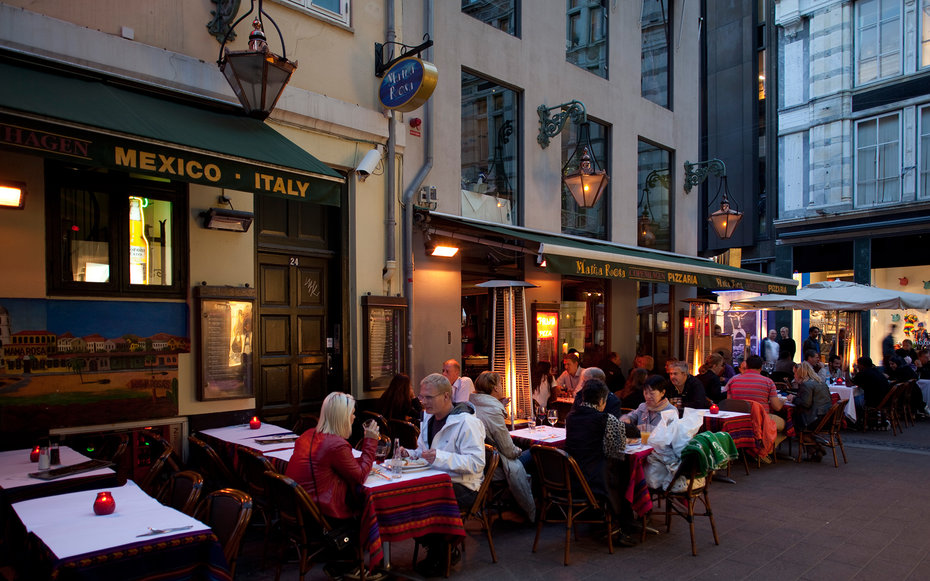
(340, 538)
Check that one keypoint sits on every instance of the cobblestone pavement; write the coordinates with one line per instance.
(868, 519)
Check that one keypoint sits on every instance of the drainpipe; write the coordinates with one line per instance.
(411, 191)
(390, 220)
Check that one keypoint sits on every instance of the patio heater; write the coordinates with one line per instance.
(510, 352)
(698, 332)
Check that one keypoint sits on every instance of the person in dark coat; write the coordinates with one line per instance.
(690, 387)
(872, 382)
(611, 368)
(709, 376)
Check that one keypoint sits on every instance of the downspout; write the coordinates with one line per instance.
(411, 191)
(390, 219)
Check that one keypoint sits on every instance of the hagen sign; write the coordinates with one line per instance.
(408, 84)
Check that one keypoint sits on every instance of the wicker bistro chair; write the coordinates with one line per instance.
(886, 411)
(227, 512)
(182, 491)
(826, 433)
(563, 486)
(252, 466)
(683, 503)
(905, 409)
(165, 463)
(216, 473)
(406, 431)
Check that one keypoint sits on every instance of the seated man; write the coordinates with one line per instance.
(871, 381)
(462, 386)
(751, 385)
(833, 370)
(613, 402)
(596, 440)
(451, 440)
(570, 381)
(690, 387)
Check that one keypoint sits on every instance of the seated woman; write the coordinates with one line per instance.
(811, 403)
(398, 402)
(650, 411)
(709, 375)
(631, 396)
(491, 412)
(323, 464)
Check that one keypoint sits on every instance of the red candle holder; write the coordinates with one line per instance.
(104, 504)
(714, 408)
(34, 455)
(255, 423)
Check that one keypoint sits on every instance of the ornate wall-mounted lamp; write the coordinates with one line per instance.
(725, 219)
(587, 182)
(257, 76)
(645, 223)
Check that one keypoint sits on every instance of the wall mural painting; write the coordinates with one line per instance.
(78, 363)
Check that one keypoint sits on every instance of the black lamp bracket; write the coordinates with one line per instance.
(382, 67)
(696, 172)
(552, 125)
(261, 11)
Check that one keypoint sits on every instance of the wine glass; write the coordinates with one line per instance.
(553, 417)
(540, 415)
(382, 451)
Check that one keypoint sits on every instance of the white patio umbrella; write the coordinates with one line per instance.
(837, 295)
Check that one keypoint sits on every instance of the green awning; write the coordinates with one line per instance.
(575, 256)
(96, 121)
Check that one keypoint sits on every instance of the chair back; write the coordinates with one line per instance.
(837, 413)
(364, 416)
(560, 477)
(158, 443)
(227, 512)
(406, 431)
(735, 405)
(216, 474)
(182, 491)
(299, 518)
(305, 422)
(491, 461)
(158, 473)
(252, 467)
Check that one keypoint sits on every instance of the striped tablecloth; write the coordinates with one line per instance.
(739, 426)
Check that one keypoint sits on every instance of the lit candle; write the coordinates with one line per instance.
(714, 408)
(255, 423)
(104, 504)
(34, 455)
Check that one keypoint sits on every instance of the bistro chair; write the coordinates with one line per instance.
(737, 405)
(407, 432)
(905, 411)
(159, 471)
(305, 422)
(227, 513)
(683, 503)
(252, 466)
(182, 491)
(885, 411)
(477, 511)
(216, 474)
(563, 486)
(826, 433)
(364, 416)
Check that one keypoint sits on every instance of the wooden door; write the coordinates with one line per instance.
(293, 360)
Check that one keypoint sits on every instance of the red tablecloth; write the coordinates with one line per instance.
(637, 493)
(406, 509)
(739, 428)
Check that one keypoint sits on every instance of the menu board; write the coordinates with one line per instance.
(225, 326)
(384, 340)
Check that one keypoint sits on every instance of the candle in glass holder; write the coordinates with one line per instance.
(714, 408)
(34, 455)
(255, 423)
(104, 504)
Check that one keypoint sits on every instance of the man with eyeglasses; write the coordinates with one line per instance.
(462, 387)
(452, 440)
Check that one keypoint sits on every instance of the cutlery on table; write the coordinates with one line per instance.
(163, 531)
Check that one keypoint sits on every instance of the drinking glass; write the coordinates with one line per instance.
(531, 422)
(540, 416)
(553, 417)
(644, 431)
(382, 451)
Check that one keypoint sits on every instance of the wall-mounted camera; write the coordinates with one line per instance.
(368, 164)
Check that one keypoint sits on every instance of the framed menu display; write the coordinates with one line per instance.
(385, 340)
(224, 342)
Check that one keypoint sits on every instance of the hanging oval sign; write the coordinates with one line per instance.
(408, 84)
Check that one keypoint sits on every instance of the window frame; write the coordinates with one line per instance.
(343, 17)
(878, 55)
(669, 17)
(922, 193)
(117, 186)
(923, 32)
(878, 177)
(516, 16)
(584, 9)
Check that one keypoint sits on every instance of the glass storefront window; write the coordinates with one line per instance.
(652, 322)
(583, 319)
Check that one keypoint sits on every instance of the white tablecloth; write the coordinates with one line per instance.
(243, 435)
(68, 526)
(15, 467)
(846, 392)
(721, 414)
(540, 434)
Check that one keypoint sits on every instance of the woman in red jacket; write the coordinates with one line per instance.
(323, 463)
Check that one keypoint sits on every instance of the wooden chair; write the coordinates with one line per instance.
(406, 431)
(563, 486)
(182, 491)
(478, 509)
(216, 473)
(305, 422)
(826, 432)
(161, 468)
(885, 411)
(905, 411)
(683, 503)
(252, 466)
(737, 405)
(227, 512)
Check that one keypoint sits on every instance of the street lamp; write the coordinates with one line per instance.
(257, 76)
(587, 182)
(725, 219)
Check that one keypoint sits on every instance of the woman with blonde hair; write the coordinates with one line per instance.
(709, 374)
(811, 403)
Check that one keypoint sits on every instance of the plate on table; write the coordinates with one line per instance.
(634, 441)
(411, 465)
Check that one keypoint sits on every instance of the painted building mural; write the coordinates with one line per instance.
(68, 363)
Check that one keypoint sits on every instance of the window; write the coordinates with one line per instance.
(115, 234)
(924, 14)
(656, 64)
(590, 222)
(586, 31)
(878, 161)
(335, 10)
(923, 188)
(490, 152)
(878, 40)
(653, 217)
(501, 14)
(583, 318)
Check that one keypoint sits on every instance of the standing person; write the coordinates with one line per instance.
(451, 440)
(888, 345)
(751, 385)
(570, 381)
(611, 367)
(812, 343)
(768, 351)
(840, 344)
(690, 387)
(543, 383)
(786, 346)
(462, 386)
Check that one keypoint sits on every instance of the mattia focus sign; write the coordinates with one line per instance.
(408, 84)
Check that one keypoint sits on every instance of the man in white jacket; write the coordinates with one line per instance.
(451, 440)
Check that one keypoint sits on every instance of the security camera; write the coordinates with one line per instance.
(368, 164)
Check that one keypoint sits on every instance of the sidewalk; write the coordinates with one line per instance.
(868, 519)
